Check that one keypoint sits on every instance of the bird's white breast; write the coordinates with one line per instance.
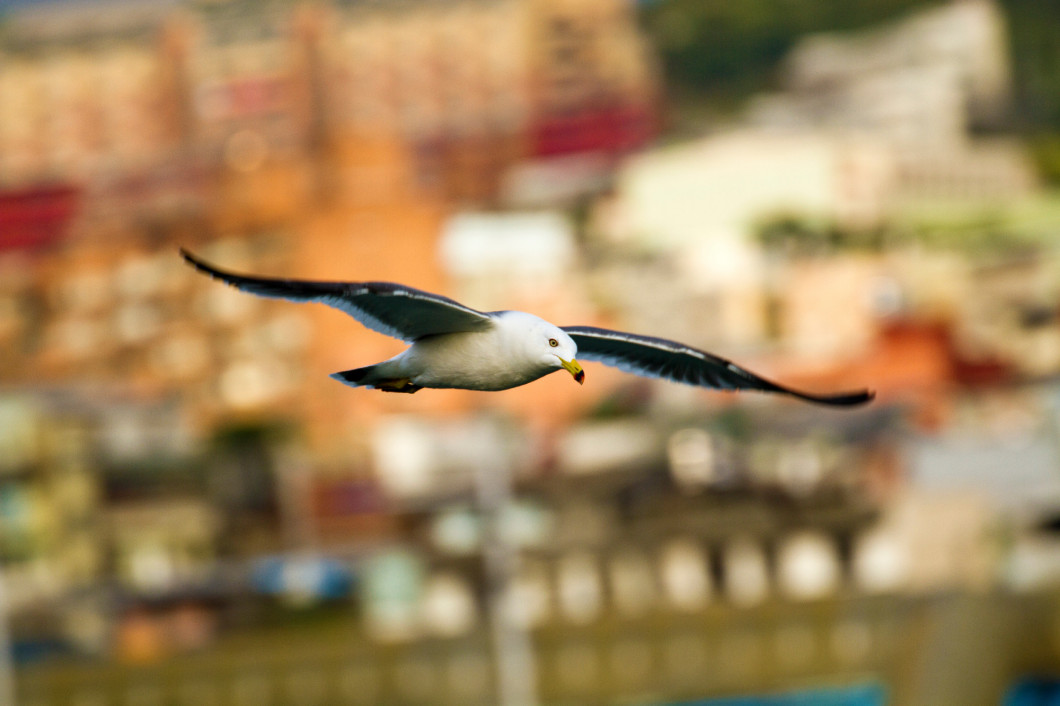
(495, 359)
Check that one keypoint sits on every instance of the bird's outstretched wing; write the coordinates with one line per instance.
(660, 358)
(391, 309)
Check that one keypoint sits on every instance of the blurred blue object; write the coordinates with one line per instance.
(1034, 692)
(302, 578)
(859, 695)
(29, 651)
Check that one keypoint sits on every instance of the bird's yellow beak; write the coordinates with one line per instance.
(572, 367)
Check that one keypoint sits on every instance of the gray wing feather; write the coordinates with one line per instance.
(661, 358)
(391, 309)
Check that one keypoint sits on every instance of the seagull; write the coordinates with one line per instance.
(455, 346)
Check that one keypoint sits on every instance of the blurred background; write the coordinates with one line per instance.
(835, 194)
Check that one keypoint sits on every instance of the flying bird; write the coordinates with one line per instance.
(455, 346)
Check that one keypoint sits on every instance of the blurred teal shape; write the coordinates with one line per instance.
(302, 579)
(857, 695)
(1034, 692)
(392, 588)
(14, 504)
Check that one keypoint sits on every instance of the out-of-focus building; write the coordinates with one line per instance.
(874, 132)
(331, 142)
(537, 84)
(714, 191)
(87, 93)
(851, 146)
(921, 87)
(108, 91)
(922, 81)
(282, 138)
(695, 211)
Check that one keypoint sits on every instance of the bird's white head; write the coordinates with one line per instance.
(564, 350)
(547, 343)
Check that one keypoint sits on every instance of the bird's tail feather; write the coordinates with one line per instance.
(356, 377)
(369, 376)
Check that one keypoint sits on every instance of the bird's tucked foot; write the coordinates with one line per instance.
(396, 385)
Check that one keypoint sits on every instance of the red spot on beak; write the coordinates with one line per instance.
(579, 377)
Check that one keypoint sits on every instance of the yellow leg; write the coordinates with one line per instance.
(397, 385)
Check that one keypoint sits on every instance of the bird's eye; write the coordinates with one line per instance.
(553, 342)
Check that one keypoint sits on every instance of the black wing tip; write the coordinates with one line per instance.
(197, 262)
(238, 281)
(843, 399)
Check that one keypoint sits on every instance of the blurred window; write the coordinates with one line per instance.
(578, 587)
(745, 572)
(685, 574)
(808, 566)
(632, 582)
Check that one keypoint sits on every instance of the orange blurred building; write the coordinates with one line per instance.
(326, 142)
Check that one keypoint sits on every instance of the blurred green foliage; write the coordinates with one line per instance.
(798, 236)
(1035, 52)
(1045, 151)
(987, 235)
